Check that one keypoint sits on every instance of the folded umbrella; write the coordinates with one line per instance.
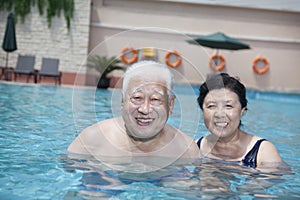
(9, 41)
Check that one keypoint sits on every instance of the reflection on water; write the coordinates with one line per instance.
(198, 180)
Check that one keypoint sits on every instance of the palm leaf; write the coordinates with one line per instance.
(104, 64)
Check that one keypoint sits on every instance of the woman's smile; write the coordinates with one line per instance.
(221, 124)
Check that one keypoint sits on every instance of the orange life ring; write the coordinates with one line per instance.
(212, 64)
(173, 64)
(127, 50)
(262, 70)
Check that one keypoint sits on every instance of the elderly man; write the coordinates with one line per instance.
(141, 135)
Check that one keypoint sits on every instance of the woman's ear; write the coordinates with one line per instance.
(243, 111)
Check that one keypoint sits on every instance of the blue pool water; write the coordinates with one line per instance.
(37, 123)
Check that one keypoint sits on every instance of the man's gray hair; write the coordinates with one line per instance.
(148, 68)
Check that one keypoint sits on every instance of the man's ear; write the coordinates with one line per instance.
(171, 103)
(122, 102)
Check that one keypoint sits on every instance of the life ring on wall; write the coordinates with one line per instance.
(262, 70)
(127, 50)
(173, 64)
(212, 64)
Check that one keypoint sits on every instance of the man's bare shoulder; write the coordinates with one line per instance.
(178, 133)
(94, 135)
(184, 142)
(102, 127)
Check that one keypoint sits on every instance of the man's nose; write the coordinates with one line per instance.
(145, 107)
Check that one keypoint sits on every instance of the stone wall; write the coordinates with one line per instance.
(35, 38)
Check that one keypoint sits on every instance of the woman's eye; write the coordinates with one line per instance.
(211, 106)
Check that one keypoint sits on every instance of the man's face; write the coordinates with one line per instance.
(145, 108)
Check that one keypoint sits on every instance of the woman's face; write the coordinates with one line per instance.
(222, 112)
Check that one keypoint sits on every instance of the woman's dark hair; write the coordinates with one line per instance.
(219, 81)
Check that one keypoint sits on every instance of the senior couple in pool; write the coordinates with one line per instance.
(142, 131)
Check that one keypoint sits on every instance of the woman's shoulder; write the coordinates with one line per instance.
(267, 152)
(249, 140)
(267, 149)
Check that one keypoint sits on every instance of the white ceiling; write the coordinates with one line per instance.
(286, 5)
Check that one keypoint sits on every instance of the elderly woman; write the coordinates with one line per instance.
(223, 101)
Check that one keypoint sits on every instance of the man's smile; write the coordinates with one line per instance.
(144, 121)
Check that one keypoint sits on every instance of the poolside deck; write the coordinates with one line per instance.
(67, 78)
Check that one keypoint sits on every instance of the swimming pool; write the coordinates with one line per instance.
(38, 122)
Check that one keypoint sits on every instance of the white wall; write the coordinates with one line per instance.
(274, 34)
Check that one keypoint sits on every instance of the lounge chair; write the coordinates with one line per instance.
(49, 68)
(2, 72)
(25, 66)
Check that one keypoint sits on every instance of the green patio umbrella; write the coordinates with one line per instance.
(9, 41)
(219, 41)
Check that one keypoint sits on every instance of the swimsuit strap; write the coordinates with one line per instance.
(199, 142)
(250, 159)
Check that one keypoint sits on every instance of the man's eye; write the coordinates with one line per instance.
(156, 100)
(229, 106)
(137, 98)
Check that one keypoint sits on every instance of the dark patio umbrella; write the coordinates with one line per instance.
(9, 41)
(219, 41)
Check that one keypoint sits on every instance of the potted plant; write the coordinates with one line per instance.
(104, 65)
